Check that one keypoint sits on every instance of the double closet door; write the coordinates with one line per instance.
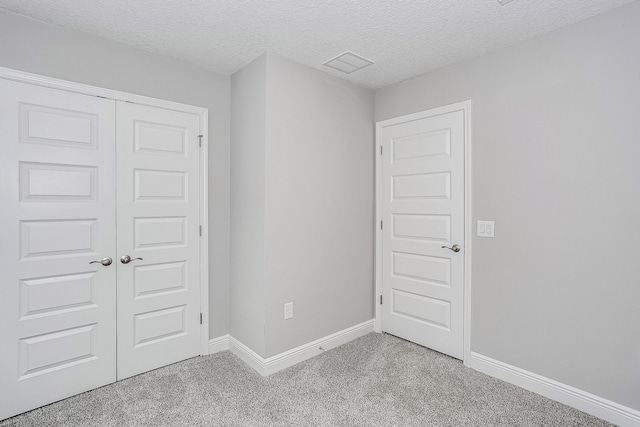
(99, 242)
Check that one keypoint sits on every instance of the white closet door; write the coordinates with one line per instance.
(57, 192)
(423, 197)
(158, 221)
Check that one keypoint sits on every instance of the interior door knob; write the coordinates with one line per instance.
(126, 259)
(454, 248)
(106, 261)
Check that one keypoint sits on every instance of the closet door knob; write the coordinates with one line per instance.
(106, 261)
(126, 259)
(454, 248)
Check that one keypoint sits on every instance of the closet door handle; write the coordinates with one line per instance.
(106, 261)
(126, 259)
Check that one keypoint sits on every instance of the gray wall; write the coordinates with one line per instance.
(302, 204)
(319, 204)
(32, 46)
(248, 124)
(556, 163)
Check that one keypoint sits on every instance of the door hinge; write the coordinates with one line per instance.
(201, 318)
(381, 224)
(380, 298)
(200, 140)
(381, 150)
(200, 231)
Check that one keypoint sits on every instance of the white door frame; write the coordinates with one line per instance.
(465, 106)
(53, 83)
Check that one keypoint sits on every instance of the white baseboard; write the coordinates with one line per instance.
(219, 344)
(579, 399)
(291, 357)
(247, 355)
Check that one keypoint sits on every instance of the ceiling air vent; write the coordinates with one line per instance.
(348, 62)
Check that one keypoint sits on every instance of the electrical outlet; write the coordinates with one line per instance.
(288, 310)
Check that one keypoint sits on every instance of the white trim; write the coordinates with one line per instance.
(216, 345)
(299, 354)
(248, 356)
(204, 240)
(53, 83)
(377, 327)
(579, 399)
(468, 230)
(203, 113)
(468, 223)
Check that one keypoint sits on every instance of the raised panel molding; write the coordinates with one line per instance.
(160, 185)
(159, 325)
(429, 144)
(425, 309)
(156, 138)
(55, 294)
(48, 182)
(57, 350)
(424, 268)
(427, 186)
(57, 238)
(159, 279)
(40, 124)
(159, 232)
(435, 228)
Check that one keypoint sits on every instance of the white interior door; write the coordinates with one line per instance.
(57, 192)
(423, 210)
(158, 228)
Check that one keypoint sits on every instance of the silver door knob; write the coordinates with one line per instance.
(106, 261)
(126, 259)
(454, 248)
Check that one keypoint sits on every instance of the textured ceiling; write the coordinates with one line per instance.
(404, 38)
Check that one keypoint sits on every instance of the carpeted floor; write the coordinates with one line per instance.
(376, 380)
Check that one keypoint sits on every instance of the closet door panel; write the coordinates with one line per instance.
(158, 221)
(57, 189)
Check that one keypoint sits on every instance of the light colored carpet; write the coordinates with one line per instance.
(376, 380)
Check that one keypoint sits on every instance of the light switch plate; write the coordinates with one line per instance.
(288, 310)
(485, 229)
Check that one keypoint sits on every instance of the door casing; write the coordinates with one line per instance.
(464, 106)
(38, 80)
